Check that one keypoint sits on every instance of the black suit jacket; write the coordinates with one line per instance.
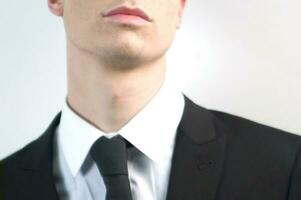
(217, 156)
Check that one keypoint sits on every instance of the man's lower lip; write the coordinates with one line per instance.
(127, 19)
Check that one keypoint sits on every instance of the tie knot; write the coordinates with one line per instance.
(110, 155)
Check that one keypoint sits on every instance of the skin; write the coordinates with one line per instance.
(114, 70)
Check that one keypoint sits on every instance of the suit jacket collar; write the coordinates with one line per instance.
(198, 155)
(196, 168)
(35, 177)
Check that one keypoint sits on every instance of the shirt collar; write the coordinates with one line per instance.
(152, 130)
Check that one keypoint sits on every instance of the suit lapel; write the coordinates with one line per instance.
(198, 157)
(35, 174)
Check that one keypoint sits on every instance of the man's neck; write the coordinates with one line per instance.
(106, 97)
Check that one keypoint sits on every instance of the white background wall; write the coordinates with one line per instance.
(241, 57)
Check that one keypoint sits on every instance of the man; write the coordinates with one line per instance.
(126, 133)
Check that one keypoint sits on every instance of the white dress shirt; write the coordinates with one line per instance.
(152, 131)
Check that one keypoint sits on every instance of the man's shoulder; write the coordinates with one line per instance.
(244, 134)
(11, 160)
(257, 153)
(251, 128)
(240, 128)
(33, 155)
(8, 171)
(33, 148)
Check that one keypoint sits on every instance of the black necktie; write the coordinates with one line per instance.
(110, 156)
